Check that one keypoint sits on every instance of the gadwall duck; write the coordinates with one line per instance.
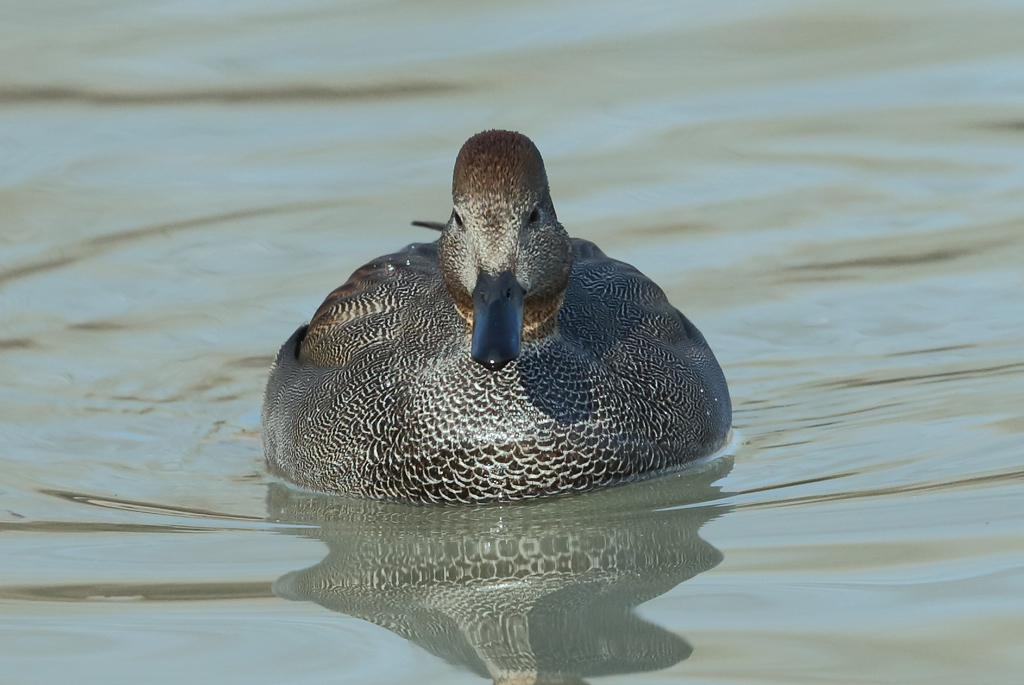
(504, 361)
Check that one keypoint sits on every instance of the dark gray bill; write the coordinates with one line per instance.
(497, 319)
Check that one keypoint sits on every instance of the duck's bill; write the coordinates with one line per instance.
(497, 319)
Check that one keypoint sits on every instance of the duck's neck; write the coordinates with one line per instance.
(540, 318)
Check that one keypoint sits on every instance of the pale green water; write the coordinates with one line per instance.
(833, 192)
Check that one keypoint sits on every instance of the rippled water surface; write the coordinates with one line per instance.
(833, 192)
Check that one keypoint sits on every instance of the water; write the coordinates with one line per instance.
(833, 192)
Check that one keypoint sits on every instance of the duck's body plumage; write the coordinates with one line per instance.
(385, 394)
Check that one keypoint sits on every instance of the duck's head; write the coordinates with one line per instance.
(503, 255)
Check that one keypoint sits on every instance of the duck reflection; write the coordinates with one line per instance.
(539, 592)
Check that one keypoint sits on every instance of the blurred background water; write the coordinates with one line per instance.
(833, 192)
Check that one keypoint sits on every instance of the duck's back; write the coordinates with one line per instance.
(379, 396)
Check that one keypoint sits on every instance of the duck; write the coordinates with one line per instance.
(503, 361)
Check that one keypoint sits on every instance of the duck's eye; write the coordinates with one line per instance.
(458, 219)
(535, 215)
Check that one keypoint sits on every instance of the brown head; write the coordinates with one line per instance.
(504, 256)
